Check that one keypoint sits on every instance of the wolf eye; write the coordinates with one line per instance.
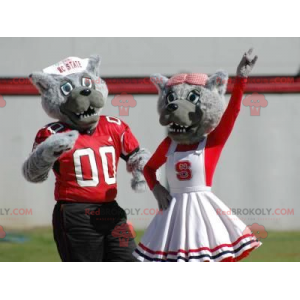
(171, 97)
(66, 88)
(87, 82)
(193, 96)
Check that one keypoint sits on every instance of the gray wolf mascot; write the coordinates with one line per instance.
(83, 148)
(194, 225)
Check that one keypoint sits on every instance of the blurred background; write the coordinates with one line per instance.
(259, 167)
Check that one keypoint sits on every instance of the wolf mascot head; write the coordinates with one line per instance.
(72, 91)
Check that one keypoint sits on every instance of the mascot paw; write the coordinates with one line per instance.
(139, 186)
(135, 165)
(246, 65)
(58, 143)
(138, 182)
(162, 196)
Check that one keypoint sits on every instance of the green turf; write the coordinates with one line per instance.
(278, 246)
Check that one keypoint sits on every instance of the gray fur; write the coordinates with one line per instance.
(94, 65)
(138, 182)
(246, 65)
(159, 81)
(135, 165)
(138, 160)
(218, 83)
(36, 168)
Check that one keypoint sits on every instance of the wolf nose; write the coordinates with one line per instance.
(172, 107)
(85, 92)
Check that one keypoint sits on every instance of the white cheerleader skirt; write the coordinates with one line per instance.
(197, 227)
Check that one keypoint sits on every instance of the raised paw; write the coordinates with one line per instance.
(59, 143)
(246, 65)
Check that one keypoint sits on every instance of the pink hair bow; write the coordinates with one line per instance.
(192, 78)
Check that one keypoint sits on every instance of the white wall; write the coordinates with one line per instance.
(143, 56)
(259, 165)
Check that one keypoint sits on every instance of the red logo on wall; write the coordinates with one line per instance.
(124, 102)
(255, 101)
(2, 101)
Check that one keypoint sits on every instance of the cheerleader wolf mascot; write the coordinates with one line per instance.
(190, 229)
(83, 149)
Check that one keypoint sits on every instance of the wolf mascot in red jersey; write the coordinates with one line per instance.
(83, 149)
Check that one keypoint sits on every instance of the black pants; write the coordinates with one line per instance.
(87, 232)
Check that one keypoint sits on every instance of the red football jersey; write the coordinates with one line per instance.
(88, 172)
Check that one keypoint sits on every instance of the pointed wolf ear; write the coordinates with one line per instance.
(159, 81)
(41, 80)
(218, 82)
(94, 65)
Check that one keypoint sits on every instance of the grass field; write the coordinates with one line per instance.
(39, 246)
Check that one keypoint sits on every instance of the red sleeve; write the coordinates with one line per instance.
(45, 132)
(217, 139)
(128, 141)
(155, 162)
(224, 128)
(122, 135)
(41, 136)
